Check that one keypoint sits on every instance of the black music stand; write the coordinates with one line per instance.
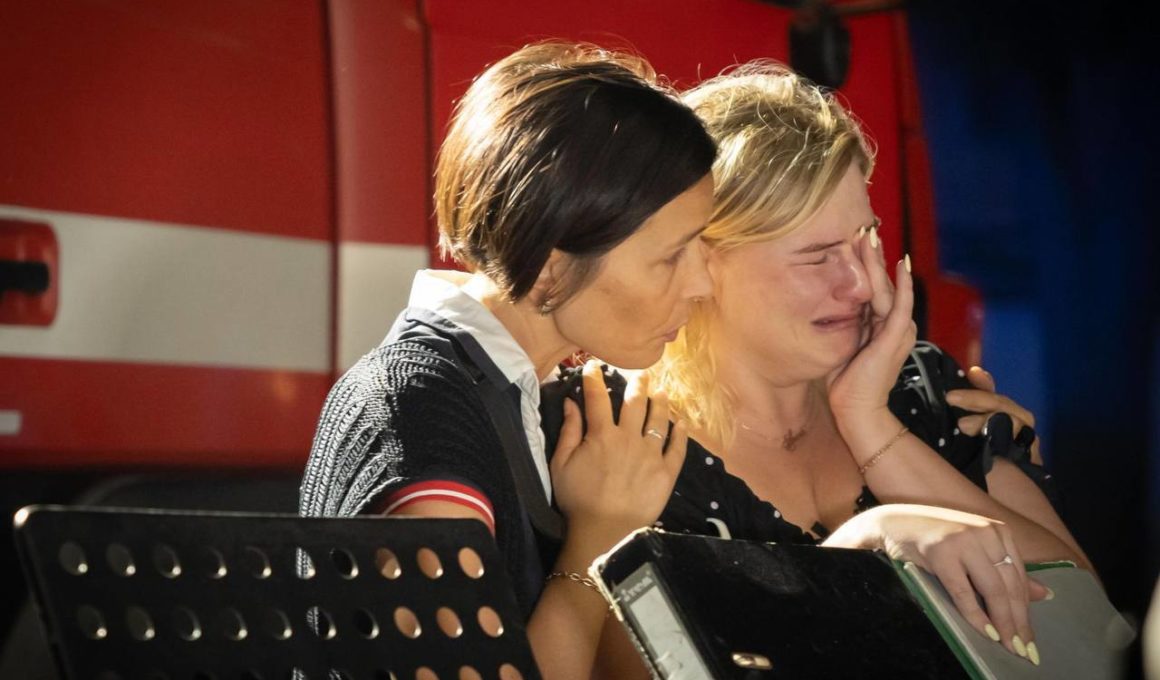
(229, 596)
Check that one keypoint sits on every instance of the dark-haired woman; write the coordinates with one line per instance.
(575, 189)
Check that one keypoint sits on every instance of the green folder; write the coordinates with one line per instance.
(1078, 632)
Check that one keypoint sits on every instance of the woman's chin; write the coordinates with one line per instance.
(639, 359)
(836, 356)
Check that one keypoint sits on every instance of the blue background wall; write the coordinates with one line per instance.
(1042, 120)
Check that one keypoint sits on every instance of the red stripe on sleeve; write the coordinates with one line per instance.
(439, 490)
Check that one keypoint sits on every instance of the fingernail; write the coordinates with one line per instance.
(906, 259)
(1050, 594)
(1020, 648)
(1033, 653)
(861, 232)
(873, 237)
(992, 633)
(952, 397)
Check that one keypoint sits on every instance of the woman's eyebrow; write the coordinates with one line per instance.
(689, 237)
(696, 233)
(818, 247)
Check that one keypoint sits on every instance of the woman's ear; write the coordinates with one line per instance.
(548, 282)
(715, 263)
(719, 263)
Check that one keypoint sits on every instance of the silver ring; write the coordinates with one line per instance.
(653, 432)
(1007, 559)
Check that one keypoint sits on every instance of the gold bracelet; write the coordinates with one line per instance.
(881, 452)
(573, 576)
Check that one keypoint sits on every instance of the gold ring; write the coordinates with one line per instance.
(1007, 559)
(653, 432)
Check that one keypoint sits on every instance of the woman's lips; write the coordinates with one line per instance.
(838, 323)
(672, 335)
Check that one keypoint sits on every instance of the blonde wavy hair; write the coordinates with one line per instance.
(784, 145)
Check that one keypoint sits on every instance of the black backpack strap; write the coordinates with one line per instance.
(487, 377)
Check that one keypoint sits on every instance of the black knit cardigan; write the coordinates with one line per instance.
(410, 411)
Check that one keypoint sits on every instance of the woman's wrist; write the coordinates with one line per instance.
(587, 540)
(866, 433)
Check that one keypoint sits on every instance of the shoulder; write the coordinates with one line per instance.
(404, 370)
(930, 373)
(926, 376)
(918, 399)
(569, 385)
(410, 390)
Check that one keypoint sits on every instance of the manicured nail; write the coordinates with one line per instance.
(861, 232)
(906, 260)
(873, 237)
(1050, 594)
(1020, 648)
(992, 633)
(1033, 653)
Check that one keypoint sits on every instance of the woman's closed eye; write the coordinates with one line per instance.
(673, 259)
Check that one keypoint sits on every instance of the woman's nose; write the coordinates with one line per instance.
(855, 281)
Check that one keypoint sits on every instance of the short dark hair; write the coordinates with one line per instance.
(566, 146)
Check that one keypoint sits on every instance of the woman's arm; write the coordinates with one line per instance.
(608, 482)
(566, 624)
(966, 552)
(1012, 488)
(909, 471)
(1006, 483)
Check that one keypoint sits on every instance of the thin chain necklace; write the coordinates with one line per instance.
(790, 439)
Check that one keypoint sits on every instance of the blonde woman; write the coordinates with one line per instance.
(802, 372)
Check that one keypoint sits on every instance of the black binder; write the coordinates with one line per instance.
(700, 607)
(183, 595)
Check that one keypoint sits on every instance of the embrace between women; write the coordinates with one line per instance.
(728, 231)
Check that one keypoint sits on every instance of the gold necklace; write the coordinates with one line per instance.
(789, 440)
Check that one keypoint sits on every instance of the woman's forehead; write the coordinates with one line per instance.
(680, 220)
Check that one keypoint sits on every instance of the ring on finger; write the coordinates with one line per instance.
(653, 432)
(1007, 559)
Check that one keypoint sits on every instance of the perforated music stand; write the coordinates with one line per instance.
(198, 595)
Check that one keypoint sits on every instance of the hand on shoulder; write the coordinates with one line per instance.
(616, 476)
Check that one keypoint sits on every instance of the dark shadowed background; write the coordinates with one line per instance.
(1042, 123)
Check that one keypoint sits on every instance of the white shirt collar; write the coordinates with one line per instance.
(440, 291)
